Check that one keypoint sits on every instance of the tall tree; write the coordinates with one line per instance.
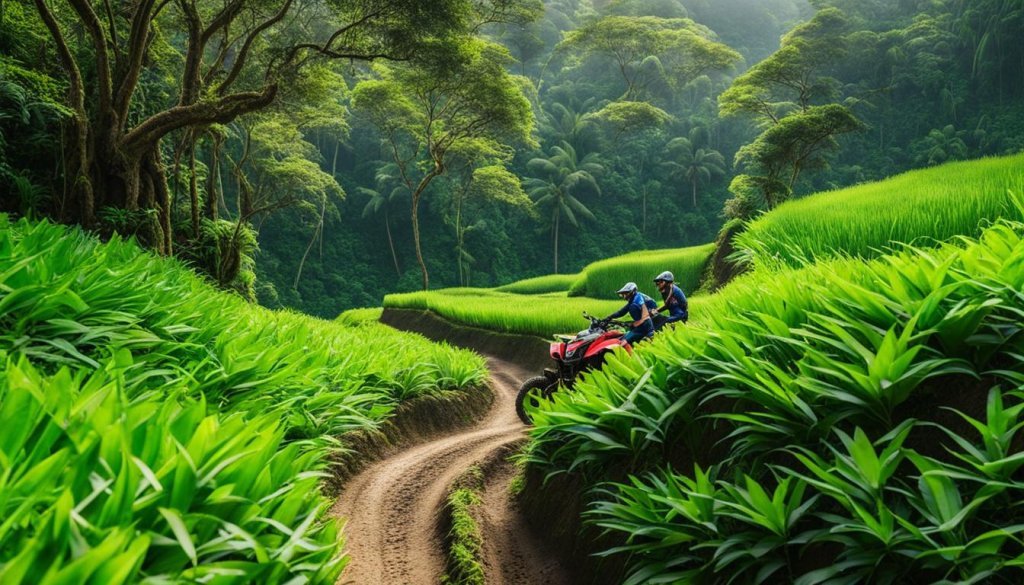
(784, 94)
(426, 111)
(796, 76)
(389, 189)
(232, 58)
(798, 143)
(691, 165)
(559, 179)
(647, 47)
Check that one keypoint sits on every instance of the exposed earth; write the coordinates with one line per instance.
(393, 506)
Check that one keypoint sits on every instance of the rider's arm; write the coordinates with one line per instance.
(644, 315)
(620, 312)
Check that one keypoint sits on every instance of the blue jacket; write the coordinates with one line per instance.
(677, 305)
(635, 308)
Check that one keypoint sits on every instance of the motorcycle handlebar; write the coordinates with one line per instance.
(604, 322)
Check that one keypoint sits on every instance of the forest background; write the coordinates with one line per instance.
(278, 147)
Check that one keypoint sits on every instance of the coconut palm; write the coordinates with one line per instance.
(692, 165)
(573, 125)
(388, 190)
(559, 179)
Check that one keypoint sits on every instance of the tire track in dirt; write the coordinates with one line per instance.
(391, 508)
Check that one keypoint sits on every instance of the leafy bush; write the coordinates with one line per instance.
(808, 406)
(157, 429)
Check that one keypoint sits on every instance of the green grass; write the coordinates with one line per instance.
(920, 207)
(541, 315)
(465, 540)
(803, 425)
(604, 277)
(541, 284)
(359, 316)
(540, 306)
(158, 430)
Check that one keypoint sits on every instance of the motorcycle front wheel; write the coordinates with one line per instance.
(532, 392)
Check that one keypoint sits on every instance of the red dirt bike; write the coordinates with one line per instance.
(573, 356)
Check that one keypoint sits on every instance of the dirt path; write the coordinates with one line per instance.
(392, 507)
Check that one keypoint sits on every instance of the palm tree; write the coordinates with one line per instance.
(388, 189)
(572, 125)
(692, 165)
(560, 178)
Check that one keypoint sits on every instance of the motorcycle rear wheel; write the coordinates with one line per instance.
(533, 391)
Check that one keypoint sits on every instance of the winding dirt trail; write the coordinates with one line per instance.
(392, 507)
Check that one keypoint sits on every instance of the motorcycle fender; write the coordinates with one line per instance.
(557, 350)
(605, 345)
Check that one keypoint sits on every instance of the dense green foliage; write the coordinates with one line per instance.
(592, 140)
(823, 455)
(647, 115)
(155, 428)
(604, 277)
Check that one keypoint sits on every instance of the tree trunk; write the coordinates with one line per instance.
(161, 200)
(459, 238)
(193, 188)
(316, 232)
(557, 218)
(694, 183)
(212, 178)
(245, 199)
(416, 240)
(391, 242)
(79, 163)
(437, 170)
(643, 229)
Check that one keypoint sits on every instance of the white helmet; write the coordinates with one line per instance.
(666, 276)
(629, 287)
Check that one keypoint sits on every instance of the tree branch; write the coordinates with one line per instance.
(221, 111)
(137, 45)
(99, 41)
(224, 18)
(193, 55)
(243, 53)
(112, 23)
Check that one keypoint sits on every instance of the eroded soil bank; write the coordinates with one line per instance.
(549, 512)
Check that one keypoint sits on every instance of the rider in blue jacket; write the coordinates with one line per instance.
(636, 305)
(675, 301)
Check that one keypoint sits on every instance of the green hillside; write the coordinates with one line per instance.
(604, 277)
(840, 414)
(828, 426)
(158, 430)
(920, 207)
(858, 222)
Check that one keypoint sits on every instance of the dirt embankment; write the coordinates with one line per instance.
(524, 351)
(546, 518)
